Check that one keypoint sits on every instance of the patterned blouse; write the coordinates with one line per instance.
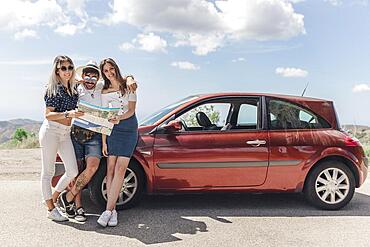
(117, 100)
(62, 101)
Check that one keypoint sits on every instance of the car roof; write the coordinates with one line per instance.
(311, 103)
(282, 96)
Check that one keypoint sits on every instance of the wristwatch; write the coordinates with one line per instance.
(66, 114)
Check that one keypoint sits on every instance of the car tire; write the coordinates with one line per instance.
(134, 186)
(330, 185)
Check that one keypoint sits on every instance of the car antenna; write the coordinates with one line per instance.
(304, 90)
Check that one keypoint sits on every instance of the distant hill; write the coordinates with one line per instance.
(355, 128)
(7, 128)
(359, 131)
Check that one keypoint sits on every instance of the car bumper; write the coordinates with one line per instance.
(364, 170)
(59, 171)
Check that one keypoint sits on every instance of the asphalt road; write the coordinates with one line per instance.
(188, 220)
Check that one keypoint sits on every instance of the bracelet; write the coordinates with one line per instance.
(66, 114)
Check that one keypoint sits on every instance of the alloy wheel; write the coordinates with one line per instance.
(332, 185)
(128, 189)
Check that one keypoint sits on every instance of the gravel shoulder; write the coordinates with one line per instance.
(20, 164)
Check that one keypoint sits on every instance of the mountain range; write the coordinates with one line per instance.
(7, 128)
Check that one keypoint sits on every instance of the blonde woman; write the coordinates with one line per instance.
(61, 102)
(120, 145)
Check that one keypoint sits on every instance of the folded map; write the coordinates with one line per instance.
(96, 117)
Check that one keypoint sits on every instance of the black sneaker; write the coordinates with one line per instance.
(67, 207)
(80, 214)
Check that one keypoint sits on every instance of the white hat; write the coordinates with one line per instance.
(90, 64)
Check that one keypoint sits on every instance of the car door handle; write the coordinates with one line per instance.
(256, 143)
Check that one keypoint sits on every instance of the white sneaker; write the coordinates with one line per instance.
(104, 218)
(55, 215)
(113, 221)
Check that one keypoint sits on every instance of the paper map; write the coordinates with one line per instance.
(96, 117)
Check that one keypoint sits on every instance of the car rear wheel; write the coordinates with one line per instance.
(131, 191)
(330, 185)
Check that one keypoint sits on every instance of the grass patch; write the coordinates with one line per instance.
(29, 142)
(367, 150)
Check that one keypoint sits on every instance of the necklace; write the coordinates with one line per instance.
(92, 94)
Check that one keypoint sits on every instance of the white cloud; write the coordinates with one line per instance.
(146, 42)
(361, 88)
(185, 65)
(291, 72)
(151, 43)
(126, 46)
(78, 7)
(205, 25)
(19, 15)
(70, 29)
(261, 19)
(26, 33)
(202, 44)
(239, 59)
(167, 15)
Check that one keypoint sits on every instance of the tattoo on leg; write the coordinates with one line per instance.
(81, 182)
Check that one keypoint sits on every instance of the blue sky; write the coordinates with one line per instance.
(177, 48)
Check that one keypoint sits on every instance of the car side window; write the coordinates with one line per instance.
(284, 115)
(209, 116)
(247, 117)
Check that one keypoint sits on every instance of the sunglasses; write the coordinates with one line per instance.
(64, 68)
(90, 78)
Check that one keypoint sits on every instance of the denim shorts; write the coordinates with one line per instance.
(90, 148)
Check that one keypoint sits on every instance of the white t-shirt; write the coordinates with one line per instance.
(117, 100)
(92, 96)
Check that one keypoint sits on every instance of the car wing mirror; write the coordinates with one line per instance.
(173, 125)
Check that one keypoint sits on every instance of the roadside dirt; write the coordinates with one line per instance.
(20, 164)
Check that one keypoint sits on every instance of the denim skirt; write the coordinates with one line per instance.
(123, 139)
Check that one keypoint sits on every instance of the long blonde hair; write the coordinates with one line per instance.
(54, 79)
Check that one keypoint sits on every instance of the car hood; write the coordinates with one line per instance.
(145, 130)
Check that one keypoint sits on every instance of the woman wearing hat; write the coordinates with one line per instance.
(120, 145)
(60, 101)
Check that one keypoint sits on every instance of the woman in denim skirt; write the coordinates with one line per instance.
(120, 145)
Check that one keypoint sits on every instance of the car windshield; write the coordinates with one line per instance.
(159, 114)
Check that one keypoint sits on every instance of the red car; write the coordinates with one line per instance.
(250, 142)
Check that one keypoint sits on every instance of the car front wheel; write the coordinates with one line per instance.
(330, 185)
(131, 191)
